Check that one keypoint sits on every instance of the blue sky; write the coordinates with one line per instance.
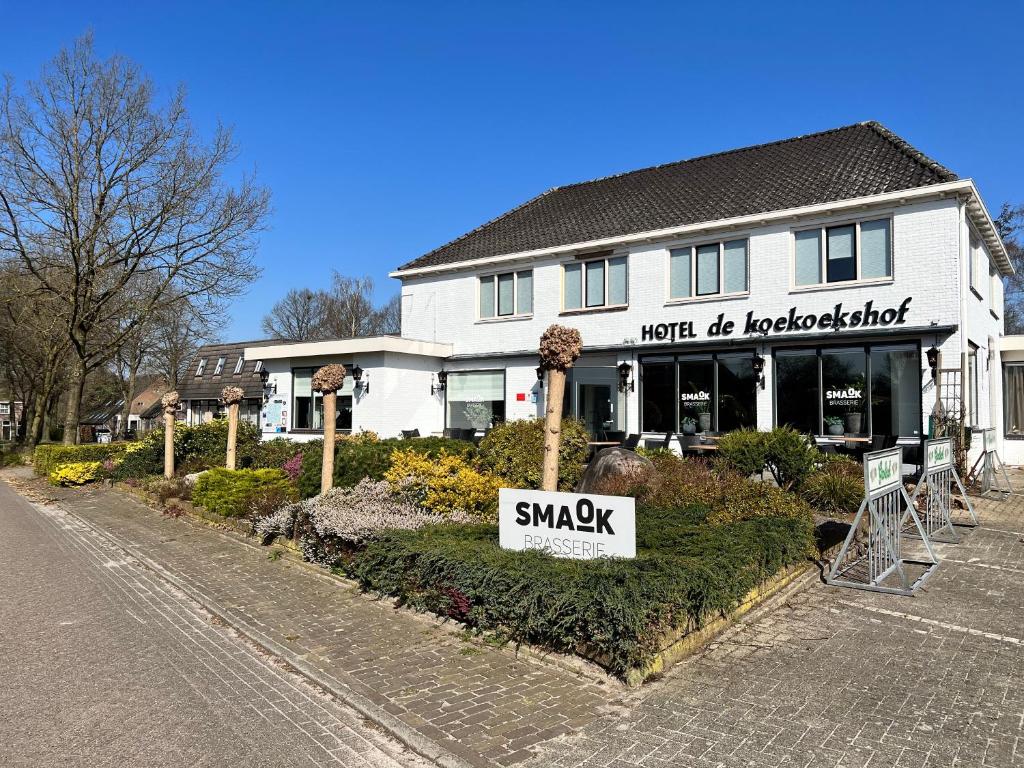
(386, 129)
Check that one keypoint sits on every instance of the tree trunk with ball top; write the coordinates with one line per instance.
(232, 435)
(552, 430)
(168, 444)
(327, 471)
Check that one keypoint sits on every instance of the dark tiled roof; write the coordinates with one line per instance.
(839, 164)
(209, 385)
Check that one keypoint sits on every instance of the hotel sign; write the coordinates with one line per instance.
(580, 526)
(839, 318)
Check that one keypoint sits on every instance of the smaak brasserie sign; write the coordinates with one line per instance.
(841, 317)
(580, 526)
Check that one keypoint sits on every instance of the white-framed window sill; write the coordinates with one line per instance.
(706, 299)
(502, 319)
(591, 310)
(838, 286)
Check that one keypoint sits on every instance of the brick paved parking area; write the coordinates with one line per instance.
(842, 677)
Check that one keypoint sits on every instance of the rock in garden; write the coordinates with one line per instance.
(610, 463)
(190, 479)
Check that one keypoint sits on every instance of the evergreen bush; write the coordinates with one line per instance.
(743, 451)
(514, 451)
(229, 492)
(76, 473)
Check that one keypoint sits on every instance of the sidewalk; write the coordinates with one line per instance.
(454, 701)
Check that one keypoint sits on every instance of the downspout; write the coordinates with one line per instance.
(963, 236)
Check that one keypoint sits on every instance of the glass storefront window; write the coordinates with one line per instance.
(844, 390)
(308, 406)
(658, 381)
(737, 393)
(896, 391)
(796, 390)
(1013, 393)
(696, 395)
(475, 399)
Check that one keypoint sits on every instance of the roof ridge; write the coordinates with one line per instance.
(911, 151)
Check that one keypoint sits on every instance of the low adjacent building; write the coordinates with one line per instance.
(215, 367)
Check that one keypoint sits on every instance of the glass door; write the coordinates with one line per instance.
(595, 409)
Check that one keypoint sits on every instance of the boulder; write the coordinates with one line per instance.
(609, 463)
(190, 479)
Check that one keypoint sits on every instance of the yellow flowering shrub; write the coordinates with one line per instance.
(444, 483)
(76, 473)
(362, 437)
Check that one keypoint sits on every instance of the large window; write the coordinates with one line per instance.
(506, 295)
(1013, 395)
(219, 368)
(851, 390)
(597, 283)
(698, 393)
(308, 406)
(476, 399)
(708, 270)
(972, 381)
(201, 367)
(859, 251)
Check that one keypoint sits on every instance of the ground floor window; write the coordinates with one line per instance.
(308, 406)
(1013, 395)
(698, 393)
(972, 381)
(475, 399)
(852, 390)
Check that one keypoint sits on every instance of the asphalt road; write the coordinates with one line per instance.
(104, 664)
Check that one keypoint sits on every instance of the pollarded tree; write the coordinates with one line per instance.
(103, 192)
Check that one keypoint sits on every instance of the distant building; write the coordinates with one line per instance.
(11, 414)
(140, 418)
(217, 366)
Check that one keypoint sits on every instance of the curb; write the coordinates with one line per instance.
(408, 736)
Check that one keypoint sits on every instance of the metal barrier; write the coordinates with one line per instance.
(991, 467)
(887, 504)
(937, 480)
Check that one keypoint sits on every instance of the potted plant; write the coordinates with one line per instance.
(689, 425)
(703, 415)
(834, 424)
(854, 418)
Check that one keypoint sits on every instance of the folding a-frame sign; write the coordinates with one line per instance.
(882, 561)
(937, 480)
(988, 468)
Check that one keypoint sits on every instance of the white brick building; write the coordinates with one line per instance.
(827, 264)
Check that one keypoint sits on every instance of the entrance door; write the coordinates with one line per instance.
(595, 408)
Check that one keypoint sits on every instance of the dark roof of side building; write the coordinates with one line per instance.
(209, 384)
(838, 164)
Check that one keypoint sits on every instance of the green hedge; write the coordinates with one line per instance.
(230, 492)
(685, 573)
(355, 460)
(203, 446)
(514, 451)
(47, 458)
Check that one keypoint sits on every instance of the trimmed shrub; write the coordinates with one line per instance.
(274, 454)
(46, 458)
(514, 451)
(443, 484)
(790, 456)
(76, 473)
(685, 574)
(230, 492)
(205, 446)
(837, 488)
(356, 459)
(742, 451)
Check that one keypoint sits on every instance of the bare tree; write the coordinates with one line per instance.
(1010, 225)
(389, 317)
(100, 188)
(176, 335)
(351, 313)
(300, 316)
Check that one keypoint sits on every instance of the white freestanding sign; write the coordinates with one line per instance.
(581, 526)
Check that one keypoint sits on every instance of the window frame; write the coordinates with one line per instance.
(218, 369)
(973, 385)
(201, 368)
(1007, 434)
(315, 396)
(516, 314)
(822, 230)
(584, 263)
(694, 295)
(504, 390)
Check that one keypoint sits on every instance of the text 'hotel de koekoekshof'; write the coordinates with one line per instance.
(812, 282)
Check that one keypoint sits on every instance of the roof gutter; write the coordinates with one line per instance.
(966, 187)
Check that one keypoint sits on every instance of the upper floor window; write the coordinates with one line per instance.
(258, 368)
(201, 367)
(858, 251)
(5, 408)
(507, 294)
(239, 365)
(219, 368)
(708, 270)
(595, 283)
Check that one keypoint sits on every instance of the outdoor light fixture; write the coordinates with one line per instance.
(268, 389)
(625, 384)
(442, 382)
(540, 377)
(357, 380)
(933, 361)
(757, 364)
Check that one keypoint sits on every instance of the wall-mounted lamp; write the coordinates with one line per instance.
(363, 387)
(625, 383)
(268, 389)
(933, 361)
(757, 365)
(540, 377)
(442, 382)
